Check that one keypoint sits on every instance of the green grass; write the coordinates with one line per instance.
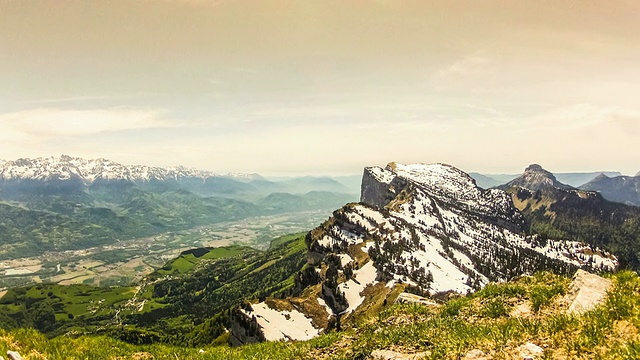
(36, 346)
(187, 261)
(224, 252)
(278, 242)
(479, 321)
(72, 299)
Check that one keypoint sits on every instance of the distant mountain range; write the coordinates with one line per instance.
(611, 185)
(63, 203)
(487, 181)
(69, 174)
(623, 189)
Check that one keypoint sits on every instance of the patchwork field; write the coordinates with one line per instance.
(128, 261)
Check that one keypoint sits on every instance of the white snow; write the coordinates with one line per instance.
(364, 276)
(345, 259)
(282, 325)
(381, 175)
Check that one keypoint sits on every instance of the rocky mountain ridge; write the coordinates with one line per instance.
(423, 228)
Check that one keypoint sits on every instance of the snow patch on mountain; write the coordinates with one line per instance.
(353, 288)
(282, 325)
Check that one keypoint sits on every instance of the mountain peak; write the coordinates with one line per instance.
(534, 178)
(638, 173)
(535, 168)
(538, 169)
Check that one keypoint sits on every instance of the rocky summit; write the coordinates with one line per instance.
(536, 178)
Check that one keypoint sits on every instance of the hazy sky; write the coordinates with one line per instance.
(323, 86)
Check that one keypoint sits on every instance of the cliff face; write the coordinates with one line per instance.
(379, 187)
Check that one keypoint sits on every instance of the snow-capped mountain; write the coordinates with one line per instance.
(67, 167)
(428, 228)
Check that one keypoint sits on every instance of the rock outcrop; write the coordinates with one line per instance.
(379, 187)
(476, 354)
(14, 355)
(586, 291)
(530, 351)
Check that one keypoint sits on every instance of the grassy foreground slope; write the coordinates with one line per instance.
(484, 320)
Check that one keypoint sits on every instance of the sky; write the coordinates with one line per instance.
(297, 87)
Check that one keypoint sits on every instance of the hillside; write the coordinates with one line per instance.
(499, 321)
(187, 302)
(59, 223)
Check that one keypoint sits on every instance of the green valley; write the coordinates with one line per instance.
(188, 301)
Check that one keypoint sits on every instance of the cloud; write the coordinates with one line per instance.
(46, 123)
(467, 66)
(473, 72)
(585, 116)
